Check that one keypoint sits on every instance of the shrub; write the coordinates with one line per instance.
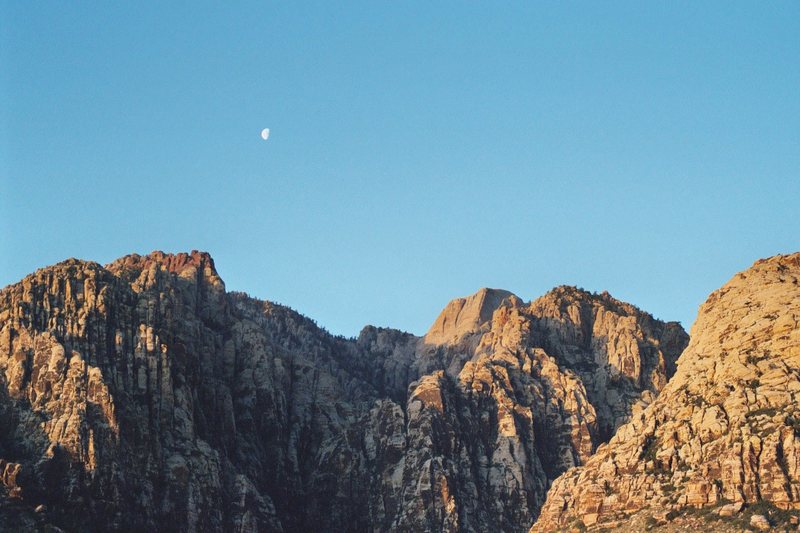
(649, 448)
(793, 423)
(579, 525)
(768, 411)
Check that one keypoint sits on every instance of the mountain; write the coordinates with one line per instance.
(142, 396)
(723, 437)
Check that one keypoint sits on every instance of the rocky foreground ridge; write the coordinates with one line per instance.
(722, 440)
(141, 396)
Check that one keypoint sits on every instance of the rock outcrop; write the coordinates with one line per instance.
(142, 396)
(723, 434)
(511, 397)
(463, 316)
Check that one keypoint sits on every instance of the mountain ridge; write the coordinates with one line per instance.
(722, 433)
(219, 411)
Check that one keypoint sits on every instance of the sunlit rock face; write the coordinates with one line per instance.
(511, 409)
(725, 431)
(141, 395)
(463, 316)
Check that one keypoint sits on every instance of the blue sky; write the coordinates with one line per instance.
(418, 151)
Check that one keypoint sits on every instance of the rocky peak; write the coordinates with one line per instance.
(185, 265)
(623, 355)
(468, 315)
(521, 392)
(724, 429)
(192, 275)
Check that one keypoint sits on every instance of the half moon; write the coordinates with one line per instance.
(265, 133)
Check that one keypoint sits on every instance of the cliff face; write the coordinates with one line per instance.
(624, 357)
(510, 410)
(725, 432)
(143, 396)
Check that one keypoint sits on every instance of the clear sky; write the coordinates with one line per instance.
(418, 150)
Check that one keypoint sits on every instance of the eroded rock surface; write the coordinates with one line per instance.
(724, 432)
(143, 396)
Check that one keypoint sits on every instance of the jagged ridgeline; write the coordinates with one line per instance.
(722, 439)
(141, 396)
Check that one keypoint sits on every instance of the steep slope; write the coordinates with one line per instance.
(142, 396)
(508, 412)
(726, 428)
(622, 355)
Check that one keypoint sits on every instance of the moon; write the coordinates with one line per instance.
(265, 133)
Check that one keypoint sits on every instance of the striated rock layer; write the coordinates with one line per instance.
(142, 396)
(725, 432)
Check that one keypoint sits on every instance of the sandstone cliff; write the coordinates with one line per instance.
(142, 396)
(510, 410)
(724, 434)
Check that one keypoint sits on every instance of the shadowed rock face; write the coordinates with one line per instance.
(143, 396)
(725, 428)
